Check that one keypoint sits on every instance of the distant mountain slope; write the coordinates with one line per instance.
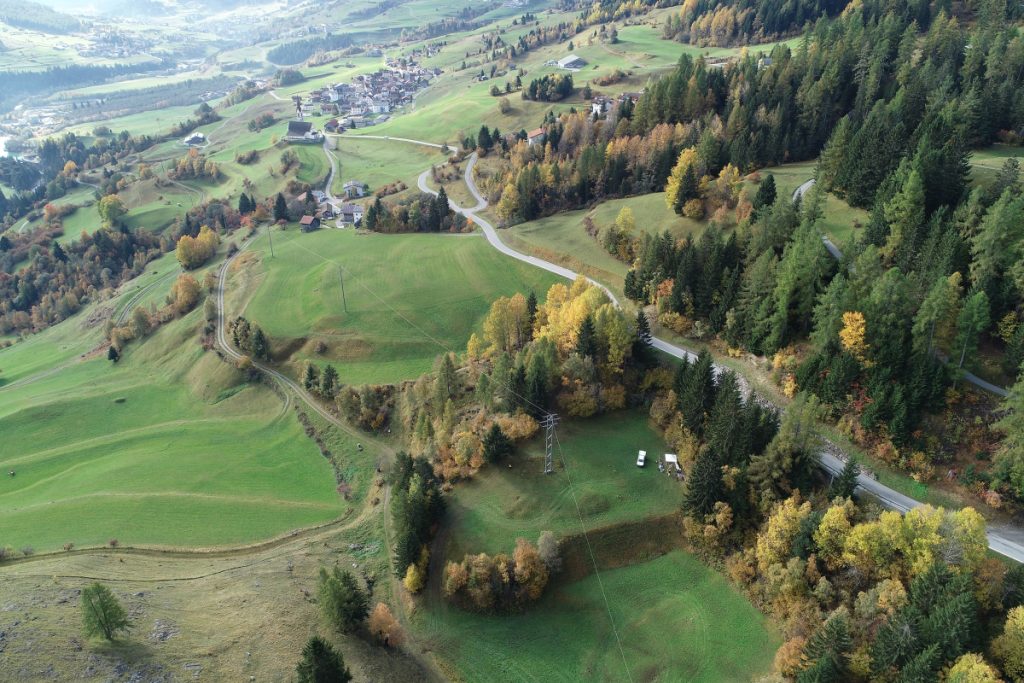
(33, 15)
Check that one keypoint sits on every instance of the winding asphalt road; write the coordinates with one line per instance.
(1003, 539)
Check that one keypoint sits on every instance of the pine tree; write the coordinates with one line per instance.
(827, 650)
(260, 347)
(536, 386)
(102, 614)
(972, 321)
(441, 210)
(446, 383)
(765, 193)
(341, 599)
(496, 445)
(243, 204)
(531, 311)
(698, 395)
(845, 484)
(112, 354)
(280, 208)
(725, 430)
(311, 378)
(586, 341)
(704, 487)
(321, 663)
(58, 253)
(329, 383)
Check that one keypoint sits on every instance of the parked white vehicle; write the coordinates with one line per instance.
(641, 458)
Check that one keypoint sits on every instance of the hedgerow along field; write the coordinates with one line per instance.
(151, 449)
(410, 297)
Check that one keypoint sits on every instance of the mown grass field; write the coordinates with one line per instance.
(410, 297)
(381, 162)
(676, 620)
(150, 450)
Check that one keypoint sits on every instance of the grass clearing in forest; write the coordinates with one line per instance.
(502, 503)
(661, 607)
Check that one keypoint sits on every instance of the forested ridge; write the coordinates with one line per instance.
(893, 107)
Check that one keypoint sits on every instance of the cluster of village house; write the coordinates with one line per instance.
(369, 98)
(600, 106)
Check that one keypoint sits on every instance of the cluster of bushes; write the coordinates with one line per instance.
(195, 166)
(264, 120)
(501, 582)
(184, 296)
(551, 88)
(249, 157)
(249, 338)
(323, 384)
(203, 114)
(369, 407)
(424, 213)
(193, 252)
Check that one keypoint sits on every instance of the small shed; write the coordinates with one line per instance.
(309, 223)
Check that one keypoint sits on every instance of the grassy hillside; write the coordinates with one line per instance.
(563, 238)
(149, 450)
(410, 297)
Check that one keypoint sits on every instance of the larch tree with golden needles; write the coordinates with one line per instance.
(853, 336)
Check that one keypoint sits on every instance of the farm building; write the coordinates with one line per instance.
(354, 189)
(309, 223)
(571, 62)
(351, 214)
(303, 132)
(535, 137)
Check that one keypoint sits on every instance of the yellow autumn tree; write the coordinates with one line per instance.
(832, 531)
(383, 626)
(972, 668)
(1008, 648)
(687, 160)
(506, 327)
(508, 206)
(853, 336)
(775, 543)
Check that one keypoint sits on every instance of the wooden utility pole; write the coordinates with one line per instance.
(341, 276)
(270, 234)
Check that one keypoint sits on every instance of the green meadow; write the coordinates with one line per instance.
(674, 620)
(410, 297)
(503, 503)
(661, 606)
(152, 448)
